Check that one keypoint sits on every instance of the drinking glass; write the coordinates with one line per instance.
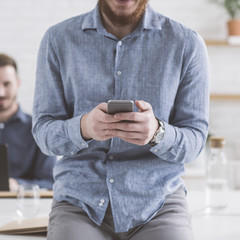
(28, 200)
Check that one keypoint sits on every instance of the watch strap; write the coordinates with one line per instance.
(158, 135)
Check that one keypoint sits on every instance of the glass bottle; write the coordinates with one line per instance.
(216, 175)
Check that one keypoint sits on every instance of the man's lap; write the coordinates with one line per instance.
(172, 222)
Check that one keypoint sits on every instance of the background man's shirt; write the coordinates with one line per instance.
(27, 164)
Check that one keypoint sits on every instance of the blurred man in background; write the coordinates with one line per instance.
(27, 164)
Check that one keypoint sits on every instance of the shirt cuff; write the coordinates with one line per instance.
(74, 132)
(167, 141)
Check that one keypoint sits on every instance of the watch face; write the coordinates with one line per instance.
(159, 136)
(160, 133)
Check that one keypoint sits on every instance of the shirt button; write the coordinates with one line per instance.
(119, 73)
(84, 144)
(120, 43)
(102, 201)
(72, 153)
(2, 125)
(111, 180)
(111, 157)
(155, 150)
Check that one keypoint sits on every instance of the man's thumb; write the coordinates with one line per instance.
(142, 105)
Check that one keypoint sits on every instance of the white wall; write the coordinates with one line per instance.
(23, 23)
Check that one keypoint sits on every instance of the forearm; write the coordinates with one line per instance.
(42, 183)
(180, 145)
(57, 137)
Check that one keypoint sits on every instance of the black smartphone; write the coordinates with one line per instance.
(116, 106)
(4, 184)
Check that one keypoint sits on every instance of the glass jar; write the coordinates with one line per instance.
(216, 175)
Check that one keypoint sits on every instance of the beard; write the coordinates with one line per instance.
(11, 101)
(123, 20)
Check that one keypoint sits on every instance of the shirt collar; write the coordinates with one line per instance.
(19, 116)
(93, 20)
(151, 20)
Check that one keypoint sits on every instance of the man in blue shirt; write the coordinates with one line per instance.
(27, 164)
(120, 175)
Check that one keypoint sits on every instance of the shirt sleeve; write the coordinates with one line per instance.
(42, 183)
(186, 131)
(37, 168)
(55, 131)
(43, 169)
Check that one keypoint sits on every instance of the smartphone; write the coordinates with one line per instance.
(116, 106)
(4, 185)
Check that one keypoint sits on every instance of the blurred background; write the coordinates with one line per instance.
(23, 23)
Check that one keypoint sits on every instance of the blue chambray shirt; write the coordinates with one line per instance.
(81, 65)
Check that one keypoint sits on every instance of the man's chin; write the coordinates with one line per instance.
(2, 109)
(121, 20)
(5, 107)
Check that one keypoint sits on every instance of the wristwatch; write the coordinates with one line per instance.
(159, 134)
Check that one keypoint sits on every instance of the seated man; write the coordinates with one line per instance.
(120, 177)
(27, 164)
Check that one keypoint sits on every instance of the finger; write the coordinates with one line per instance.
(102, 106)
(100, 130)
(101, 126)
(103, 135)
(139, 142)
(128, 135)
(106, 118)
(130, 116)
(143, 106)
(126, 126)
(102, 113)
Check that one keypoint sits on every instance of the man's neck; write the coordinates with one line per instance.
(7, 114)
(118, 31)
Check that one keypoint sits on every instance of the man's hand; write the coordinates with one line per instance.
(96, 124)
(133, 127)
(13, 185)
(136, 127)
